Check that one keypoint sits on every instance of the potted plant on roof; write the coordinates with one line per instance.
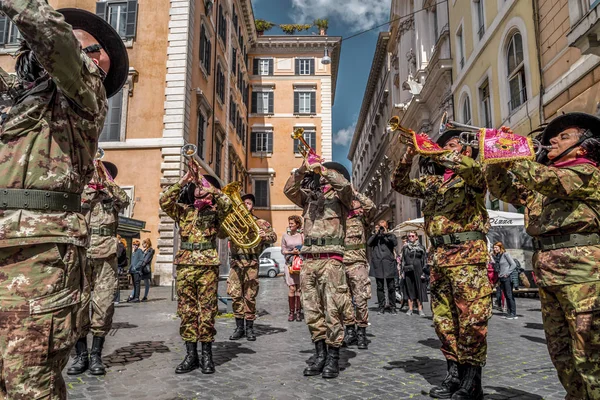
(322, 25)
(262, 26)
(290, 29)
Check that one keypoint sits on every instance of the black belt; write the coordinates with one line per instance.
(43, 200)
(197, 246)
(456, 238)
(545, 243)
(324, 242)
(102, 231)
(359, 246)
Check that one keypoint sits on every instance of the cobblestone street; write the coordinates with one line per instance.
(402, 362)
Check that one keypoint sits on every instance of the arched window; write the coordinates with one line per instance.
(466, 111)
(517, 85)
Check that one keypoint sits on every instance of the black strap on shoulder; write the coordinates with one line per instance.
(94, 48)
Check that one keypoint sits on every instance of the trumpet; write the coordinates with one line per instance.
(393, 125)
(470, 134)
(189, 150)
(304, 148)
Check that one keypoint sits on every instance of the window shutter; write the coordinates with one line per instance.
(202, 44)
(313, 140)
(312, 66)
(296, 102)
(253, 140)
(313, 102)
(254, 102)
(255, 66)
(101, 9)
(271, 102)
(297, 66)
(208, 56)
(296, 144)
(132, 7)
(270, 143)
(271, 67)
(4, 22)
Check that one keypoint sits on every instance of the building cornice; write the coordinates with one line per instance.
(248, 14)
(378, 60)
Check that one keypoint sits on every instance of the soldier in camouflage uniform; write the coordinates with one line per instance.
(242, 283)
(456, 221)
(102, 201)
(326, 197)
(49, 134)
(198, 211)
(357, 270)
(561, 196)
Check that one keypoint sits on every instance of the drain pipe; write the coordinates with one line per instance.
(536, 22)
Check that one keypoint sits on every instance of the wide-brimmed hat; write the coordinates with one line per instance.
(111, 168)
(249, 196)
(213, 181)
(338, 167)
(110, 41)
(452, 133)
(571, 120)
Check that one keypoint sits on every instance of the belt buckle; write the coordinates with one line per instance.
(436, 241)
(453, 239)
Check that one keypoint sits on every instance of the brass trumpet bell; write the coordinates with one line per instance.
(189, 150)
(304, 148)
(393, 125)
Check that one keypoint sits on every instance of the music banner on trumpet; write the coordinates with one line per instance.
(502, 145)
(422, 143)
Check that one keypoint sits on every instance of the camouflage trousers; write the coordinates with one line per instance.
(100, 286)
(357, 276)
(242, 286)
(461, 306)
(40, 287)
(571, 315)
(324, 297)
(197, 301)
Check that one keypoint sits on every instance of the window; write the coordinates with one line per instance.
(263, 66)
(516, 72)
(262, 102)
(461, 47)
(435, 24)
(304, 102)
(311, 139)
(235, 19)
(480, 18)
(232, 111)
(205, 50)
(122, 15)
(220, 84)
(305, 66)
(262, 142)
(128, 211)
(486, 107)
(219, 150)
(466, 111)
(111, 132)
(222, 29)
(233, 60)
(261, 192)
(9, 34)
(200, 134)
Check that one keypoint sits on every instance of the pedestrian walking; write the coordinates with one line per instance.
(414, 259)
(325, 194)
(69, 62)
(383, 265)
(561, 196)
(146, 267)
(456, 222)
(505, 267)
(135, 271)
(291, 243)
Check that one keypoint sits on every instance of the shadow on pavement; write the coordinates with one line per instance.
(135, 352)
(534, 325)
(431, 369)
(433, 343)
(266, 330)
(345, 355)
(534, 339)
(509, 393)
(123, 325)
(153, 300)
(223, 352)
(535, 309)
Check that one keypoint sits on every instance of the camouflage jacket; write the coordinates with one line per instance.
(332, 224)
(452, 206)
(249, 257)
(196, 226)
(101, 209)
(356, 228)
(49, 136)
(557, 201)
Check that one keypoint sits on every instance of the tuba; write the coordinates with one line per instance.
(239, 223)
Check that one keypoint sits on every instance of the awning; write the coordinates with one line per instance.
(129, 227)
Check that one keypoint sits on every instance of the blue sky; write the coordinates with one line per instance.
(346, 17)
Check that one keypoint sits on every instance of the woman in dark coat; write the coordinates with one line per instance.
(414, 259)
(137, 256)
(146, 268)
(383, 264)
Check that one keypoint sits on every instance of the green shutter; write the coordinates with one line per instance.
(130, 28)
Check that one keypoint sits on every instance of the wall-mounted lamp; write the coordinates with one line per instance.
(326, 60)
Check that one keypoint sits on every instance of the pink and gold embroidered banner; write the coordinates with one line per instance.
(501, 145)
(422, 143)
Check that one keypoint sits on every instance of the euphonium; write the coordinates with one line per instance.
(239, 223)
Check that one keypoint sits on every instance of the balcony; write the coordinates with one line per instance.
(585, 32)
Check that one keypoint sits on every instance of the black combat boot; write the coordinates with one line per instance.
(96, 366)
(191, 361)
(450, 384)
(81, 361)
(250, 336)
(470, 384)
(350, 337)
(206, 363)
(361, 338)
(332, 368)
(239, 330)
(318, 363)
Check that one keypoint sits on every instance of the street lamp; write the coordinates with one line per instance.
(326, 60)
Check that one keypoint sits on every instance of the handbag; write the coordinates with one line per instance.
(524, 280)
(296, 265)
(146, 270)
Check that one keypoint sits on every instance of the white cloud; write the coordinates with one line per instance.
(344, 136)
(356, 14)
